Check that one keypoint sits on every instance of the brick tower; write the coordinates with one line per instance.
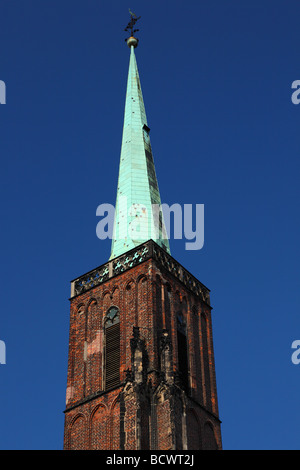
(141, 369)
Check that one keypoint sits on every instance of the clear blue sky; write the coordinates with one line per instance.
(216, 78)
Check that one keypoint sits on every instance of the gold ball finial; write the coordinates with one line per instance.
(132, 41)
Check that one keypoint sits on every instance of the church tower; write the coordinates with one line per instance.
(141, 372)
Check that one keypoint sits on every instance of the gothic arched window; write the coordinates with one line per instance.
(112, 348)
(205, 348)
(182, 350)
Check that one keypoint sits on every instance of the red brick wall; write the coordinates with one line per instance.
(99, 428)
(194, 433)
(149, 297)
(164, 430)
(94, 424)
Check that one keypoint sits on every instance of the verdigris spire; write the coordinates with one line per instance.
(137, 214)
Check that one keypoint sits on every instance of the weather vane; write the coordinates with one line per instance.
(132, 41)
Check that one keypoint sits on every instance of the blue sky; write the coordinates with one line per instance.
(216, 79)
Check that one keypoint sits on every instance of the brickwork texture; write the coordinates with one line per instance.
(150, 406)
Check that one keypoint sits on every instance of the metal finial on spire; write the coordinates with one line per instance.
(132, 41)
(132, 14)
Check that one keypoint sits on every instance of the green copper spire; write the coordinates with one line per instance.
(136, 219)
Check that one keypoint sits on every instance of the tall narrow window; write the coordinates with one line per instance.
(112, 348)
(205, 347)
(182, 351)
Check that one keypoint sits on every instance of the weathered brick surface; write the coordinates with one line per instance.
(148, 297)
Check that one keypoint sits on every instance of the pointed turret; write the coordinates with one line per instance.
(137, 215)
